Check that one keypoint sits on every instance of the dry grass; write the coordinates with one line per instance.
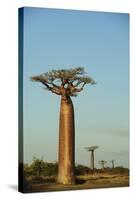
(82, 182)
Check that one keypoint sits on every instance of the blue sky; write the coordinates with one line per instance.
(99, 41)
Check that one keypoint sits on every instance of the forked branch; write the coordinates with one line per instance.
(70, 81)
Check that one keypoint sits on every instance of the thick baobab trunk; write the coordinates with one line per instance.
(92, 160)
(66, 142)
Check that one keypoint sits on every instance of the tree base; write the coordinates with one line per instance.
(66, 181)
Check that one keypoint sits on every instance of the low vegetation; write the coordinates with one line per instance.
(42, 176)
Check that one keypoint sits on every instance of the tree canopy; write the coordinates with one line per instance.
(92, 148)
(64, 82)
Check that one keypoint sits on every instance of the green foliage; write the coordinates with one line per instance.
(70, 74)
(81, 170)
(71, 81)
(37, 166)
(40, 168)
(63, 74)
(50, 169)
(91, 148)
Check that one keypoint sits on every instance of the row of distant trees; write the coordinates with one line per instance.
(39, 168)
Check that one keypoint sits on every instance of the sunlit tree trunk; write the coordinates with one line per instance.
(66, 142)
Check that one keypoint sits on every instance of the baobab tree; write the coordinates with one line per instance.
(66, 83)
(113, 164)
(102, 163)
(92, 149)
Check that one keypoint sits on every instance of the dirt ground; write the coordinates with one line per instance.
(82, 182)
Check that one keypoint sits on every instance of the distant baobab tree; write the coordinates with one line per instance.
(92, 149)
(66, 83)
(113, 164)
(102, 163)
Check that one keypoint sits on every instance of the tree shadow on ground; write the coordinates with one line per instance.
(80, 181)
